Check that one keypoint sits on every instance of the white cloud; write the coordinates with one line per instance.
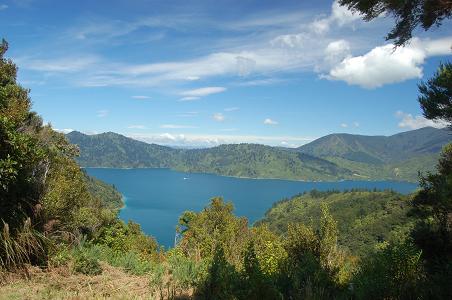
(270, 122)
(385, 65)
(192, 78)
(342, 15)
(3, 6)
(175, 126)
(344, 125)
(415, 122)
(141, 97)
(336, 51)
(136, 127)
(229, 109)
(202, 92)
(229, 129)
(190, 98)
(102, 113)
(59, 65)
(65, 130)
(219, 117)
(214, 140)
(356, 124)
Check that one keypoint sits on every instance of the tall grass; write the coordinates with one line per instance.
(23, 246)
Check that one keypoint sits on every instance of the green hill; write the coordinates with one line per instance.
(364, 218)
(333, 157)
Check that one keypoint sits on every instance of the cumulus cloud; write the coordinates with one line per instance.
(384, 64)
(141, 97)
(102, 113)
(336, 51)
(219, 117)
(344, 125)
(270, 122)
(202, 92)
(416, 122)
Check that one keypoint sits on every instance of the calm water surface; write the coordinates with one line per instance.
(155, 198)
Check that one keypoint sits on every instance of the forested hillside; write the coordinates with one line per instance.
(366, 218)
(334, 157)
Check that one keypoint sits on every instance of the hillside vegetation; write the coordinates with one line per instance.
(366, 217)
(334, 157)
(60, 235)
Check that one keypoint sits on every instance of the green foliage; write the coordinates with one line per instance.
(222, 279)
(392, 272)
(408, 14)
(432, 206)
(215, 227)
(122, 238)
(107, 194)
(366, 218)
(86, 264)
(436, 95)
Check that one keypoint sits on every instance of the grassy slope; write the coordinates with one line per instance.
(364, 218)
(60, 283)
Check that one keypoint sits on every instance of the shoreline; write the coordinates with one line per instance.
(255, 178)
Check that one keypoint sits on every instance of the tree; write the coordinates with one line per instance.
(409, 14)
(436, 95)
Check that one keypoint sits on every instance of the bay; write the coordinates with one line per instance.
(155, 198)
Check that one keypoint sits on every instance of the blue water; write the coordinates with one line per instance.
(155, 198)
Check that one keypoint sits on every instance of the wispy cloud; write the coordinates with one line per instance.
(59, 65)
(202, 92)
(136, 127)
(189, 98)
(141, 97)
(3, 6)
(176, 126)
(415, 122)
(269, 121)
(230, 109)
(188, 114)
(219, 117)
(102, 113)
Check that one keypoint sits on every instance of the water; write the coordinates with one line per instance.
(155, 198)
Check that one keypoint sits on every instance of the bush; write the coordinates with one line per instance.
(86, 264)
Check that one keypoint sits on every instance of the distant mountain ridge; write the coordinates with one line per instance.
(379, 149)
(333, 157)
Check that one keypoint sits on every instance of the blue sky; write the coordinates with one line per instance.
(200, 73)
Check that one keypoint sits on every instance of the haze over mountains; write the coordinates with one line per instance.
(333, 157)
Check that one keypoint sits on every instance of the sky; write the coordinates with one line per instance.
(203, 73)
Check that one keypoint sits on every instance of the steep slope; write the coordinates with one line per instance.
(252, 160)
(117, 151)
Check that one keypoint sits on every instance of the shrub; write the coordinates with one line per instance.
(86, 264)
